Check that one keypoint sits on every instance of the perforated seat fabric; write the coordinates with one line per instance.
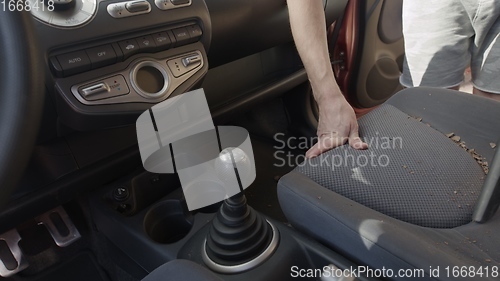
(315, 199)
(411, 171)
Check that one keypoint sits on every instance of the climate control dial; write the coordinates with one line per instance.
(64, 13)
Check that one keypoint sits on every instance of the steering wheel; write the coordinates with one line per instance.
(21, 96)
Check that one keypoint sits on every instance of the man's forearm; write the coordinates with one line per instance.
(307, 20)
(337, 121)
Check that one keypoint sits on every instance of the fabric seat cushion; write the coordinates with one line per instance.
(411, 171)
(370, 237)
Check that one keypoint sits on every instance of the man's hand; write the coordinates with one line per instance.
(337, 125)
(337, 121)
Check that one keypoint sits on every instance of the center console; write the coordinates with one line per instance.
(152, 231)
(114, 59)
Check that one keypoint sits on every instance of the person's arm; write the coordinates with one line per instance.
(337, 121)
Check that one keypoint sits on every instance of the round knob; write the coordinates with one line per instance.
(231, 159)
(61, 5)
(65, 13)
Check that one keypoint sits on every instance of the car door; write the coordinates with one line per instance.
(368, 51)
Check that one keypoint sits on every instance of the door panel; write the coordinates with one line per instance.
(369, 52)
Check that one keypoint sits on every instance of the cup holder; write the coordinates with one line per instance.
(168, 221)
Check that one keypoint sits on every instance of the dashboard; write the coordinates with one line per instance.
(109, 60)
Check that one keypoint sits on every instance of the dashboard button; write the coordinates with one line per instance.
(56, 67)
(195, 32)
(101, 56)
(172, 4)
(94, 90)
(194, 59)
(107, 88)
(181, 36)
(137, 6)
(182, 65)
(146, 43)
(129, 47)
(128, 9)
(162, 40)
(180, 2)
(73, 63)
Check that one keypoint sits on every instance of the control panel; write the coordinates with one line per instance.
(75, 62)
(146, 80)
(125, 56)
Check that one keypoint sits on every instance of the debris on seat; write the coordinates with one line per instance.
(479, 159)
(419, 119)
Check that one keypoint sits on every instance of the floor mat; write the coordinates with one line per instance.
(81, 268)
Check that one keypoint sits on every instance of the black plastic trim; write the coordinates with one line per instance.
(69, 187)
(223, 113)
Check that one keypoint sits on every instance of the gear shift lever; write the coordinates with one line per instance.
(178, 136)
(239, 237)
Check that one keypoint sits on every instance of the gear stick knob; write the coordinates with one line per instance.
(233, 160)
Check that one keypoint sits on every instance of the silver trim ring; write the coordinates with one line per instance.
(159, 67)
(231, 269)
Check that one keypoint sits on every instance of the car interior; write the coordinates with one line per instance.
(77, 204)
